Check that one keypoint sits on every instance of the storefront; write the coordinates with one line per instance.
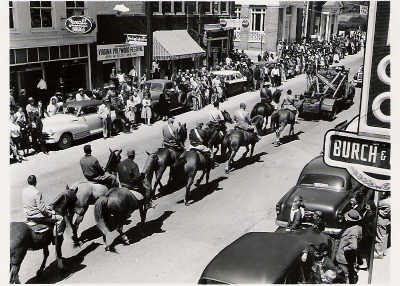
(122, 57)
(63, 68)
(219, 41)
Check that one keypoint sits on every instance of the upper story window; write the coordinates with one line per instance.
(238, 11)
(41, 14)
(156, 7)
(178, 7)
(166, 7)
(11, 16)
(75, 8)
(205, 7)
(224, 7)
(257, 19)
(191, 7)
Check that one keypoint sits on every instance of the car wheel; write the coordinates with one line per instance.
(65, 141)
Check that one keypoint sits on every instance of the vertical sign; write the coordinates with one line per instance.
(375, 100)
(363, 10)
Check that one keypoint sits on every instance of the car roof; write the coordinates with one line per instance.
(158, 80)
(318, 166)
(83, 103)
(260, 257)
(225, 72)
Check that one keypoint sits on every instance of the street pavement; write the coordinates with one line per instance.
(179, 241)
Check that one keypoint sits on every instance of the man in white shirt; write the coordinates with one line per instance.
(104, 113)
(81, 95)
(120, 76)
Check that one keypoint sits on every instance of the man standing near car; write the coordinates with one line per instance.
(104, 113)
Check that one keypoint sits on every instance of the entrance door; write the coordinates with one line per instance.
(107, 68)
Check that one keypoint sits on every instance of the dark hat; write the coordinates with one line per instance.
(130, 152)
(352, 215)
(87, 149)
(289, 91)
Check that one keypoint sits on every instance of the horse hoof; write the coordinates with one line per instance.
(125, 240)
(226, 171)
(107, 248)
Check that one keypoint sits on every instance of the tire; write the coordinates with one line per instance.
(65, 141)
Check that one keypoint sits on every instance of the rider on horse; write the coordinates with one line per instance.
(170, 136)
(130, 177)
(216, 116)
(93, 172)
(37, 212)
(198, 139)
(288, 102)
(242, 118)
(266, 93)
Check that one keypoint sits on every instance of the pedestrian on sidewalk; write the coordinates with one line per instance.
(346, 255)
(104, 113)
(146, 109)
(382, 226)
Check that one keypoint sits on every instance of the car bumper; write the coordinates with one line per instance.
(50, 139)
(328, 230)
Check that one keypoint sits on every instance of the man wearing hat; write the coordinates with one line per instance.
(130, 177)
(93, 171)
(242, 118)
(266, 93)
(170, 136)
(198, 138)
(81, 95)
(104, 113)
(31, 109)
(346, 255)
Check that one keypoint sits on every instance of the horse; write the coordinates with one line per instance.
(24, 238)
(216, 142)
(279, 120)
(117, 205)
(87, 193)
(157, 162)
(259, 116)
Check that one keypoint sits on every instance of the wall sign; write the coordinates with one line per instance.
(80, 24)
(245, 23)
(136, 39)
(118, 51)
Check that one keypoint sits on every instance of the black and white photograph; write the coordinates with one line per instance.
(198, 142)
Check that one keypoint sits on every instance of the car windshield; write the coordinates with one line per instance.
(156, 86)
(322, 181)
(71, 110)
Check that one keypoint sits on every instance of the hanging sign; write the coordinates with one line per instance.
(80, 24)
(118, 51)
(136, 39)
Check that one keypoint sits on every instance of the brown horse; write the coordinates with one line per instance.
(235, 139)
(24, 238)
(87, 194)
(261, 110)
(115, 207)
(279, 120)
(158, 162)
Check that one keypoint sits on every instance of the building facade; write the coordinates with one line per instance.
(41, 47)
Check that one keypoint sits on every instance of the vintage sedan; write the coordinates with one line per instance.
(75, 120)
(235, 82)
(262, 258)
(323, 188)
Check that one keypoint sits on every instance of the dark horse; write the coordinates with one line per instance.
(114, 208)
(157, 162)
(259, 116)
(216, 141)
(87, 194)
(23, 238)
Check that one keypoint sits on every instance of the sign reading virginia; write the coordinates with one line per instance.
(80, 24)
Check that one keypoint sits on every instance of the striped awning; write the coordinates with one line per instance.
(174, 45)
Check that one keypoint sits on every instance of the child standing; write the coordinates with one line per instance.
(146, 110)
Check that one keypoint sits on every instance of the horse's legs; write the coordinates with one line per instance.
(245, 153)
(58, 245)
(76, 224)
(188, 186)
(200, 179)
(43, 265)
(291, 131)
(231, 159)
(125, 239)
(14, 278)
(208, 175)
(159, 173)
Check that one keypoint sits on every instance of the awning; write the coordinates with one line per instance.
(174, 45)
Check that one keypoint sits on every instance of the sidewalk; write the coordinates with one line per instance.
(380, 271)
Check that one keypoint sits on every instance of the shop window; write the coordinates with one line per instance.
(44, 54)
(83, 50)
(11, 16)
(21, 56)
(54, 53)
(75, 8)
(41, 14)
(191, 7)
(74, 51)
(224, 7)
(257, 19)
(155, 7)
(216, 8)
(178, 7)
(12, 57)
(64, 51)
(205, 7)
(167, 7)
(33, 55)
(288, 10)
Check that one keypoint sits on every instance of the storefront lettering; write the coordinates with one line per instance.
(106, 52)
(80, 24)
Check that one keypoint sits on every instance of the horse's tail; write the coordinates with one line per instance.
(101, 214)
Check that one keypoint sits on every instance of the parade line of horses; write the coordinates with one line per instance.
(112, 207)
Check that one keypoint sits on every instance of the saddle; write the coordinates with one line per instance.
(38, 228)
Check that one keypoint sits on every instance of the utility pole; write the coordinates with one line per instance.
(149, 32)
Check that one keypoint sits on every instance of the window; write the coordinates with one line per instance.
(224, 7)
(205, 7)
(257, 19)
(191, 7)
(75, 8)
(11, 16)
(238, 11)
(216, 7)
(166, 7)
(155, 7)
(41, 14)
(322, 181)
(178, 7)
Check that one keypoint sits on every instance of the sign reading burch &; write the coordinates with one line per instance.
(80, 24)
(365, 153)
(118, 51)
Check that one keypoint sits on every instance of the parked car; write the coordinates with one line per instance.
(323, 188)
(234, 80)
(163, 89)
(358, 77)
(262, 258)
(75, 120)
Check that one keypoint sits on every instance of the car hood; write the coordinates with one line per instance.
(57, 120)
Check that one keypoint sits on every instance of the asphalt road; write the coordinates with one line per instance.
(179, 241)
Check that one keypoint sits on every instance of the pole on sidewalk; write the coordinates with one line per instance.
(149, 33)
(371, 255)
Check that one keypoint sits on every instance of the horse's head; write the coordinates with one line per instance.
(113, 159)
(64, 202)
(149, 167)
(227, 116)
